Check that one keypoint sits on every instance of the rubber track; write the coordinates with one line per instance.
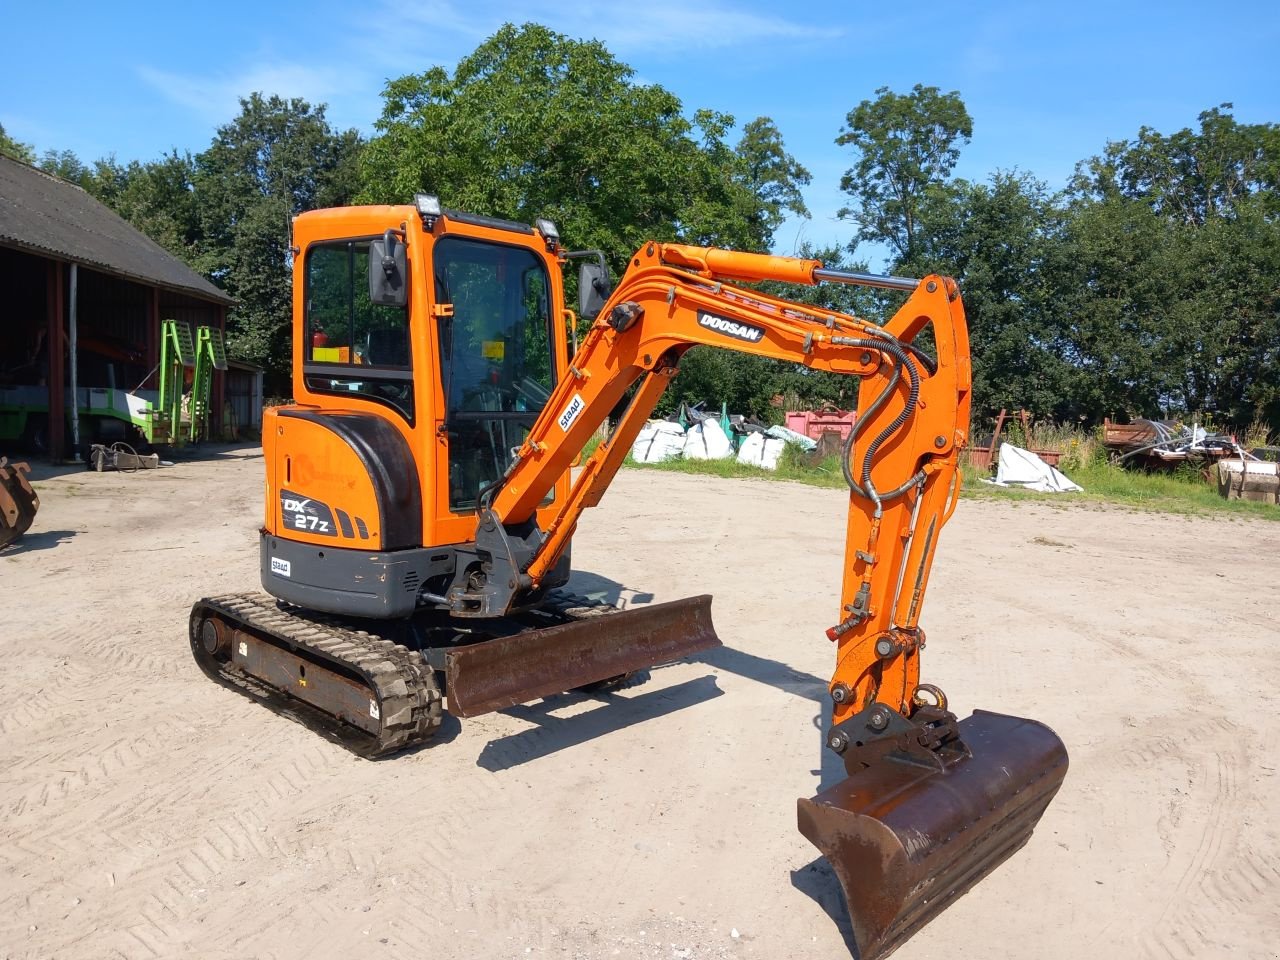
(404, 685)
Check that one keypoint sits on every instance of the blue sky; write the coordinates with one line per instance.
(1046, 84)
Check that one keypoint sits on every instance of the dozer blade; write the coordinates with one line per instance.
(18, 502)
(906, 840)
(500, 673)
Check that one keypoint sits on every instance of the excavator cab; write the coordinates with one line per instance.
(420, 506)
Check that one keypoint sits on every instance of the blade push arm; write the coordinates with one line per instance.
(900, 460)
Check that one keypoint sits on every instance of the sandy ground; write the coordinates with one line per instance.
(146, 812)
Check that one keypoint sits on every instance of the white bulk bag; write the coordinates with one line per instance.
(658, 440)
(757, 450)
(707, 441)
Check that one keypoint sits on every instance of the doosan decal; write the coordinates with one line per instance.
(730, 328)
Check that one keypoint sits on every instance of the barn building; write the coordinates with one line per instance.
(84, 294)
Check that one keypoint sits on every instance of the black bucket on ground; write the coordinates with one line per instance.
(907, 839)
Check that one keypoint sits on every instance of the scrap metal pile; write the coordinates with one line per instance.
(1161, 442)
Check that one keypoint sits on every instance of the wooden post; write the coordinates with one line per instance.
(55, 432)
(219, 384)
(73, 354)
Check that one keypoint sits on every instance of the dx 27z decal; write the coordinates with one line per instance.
(303, 513)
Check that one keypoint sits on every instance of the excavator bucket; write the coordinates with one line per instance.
(906, 839)
(18, 502)
(500, 673)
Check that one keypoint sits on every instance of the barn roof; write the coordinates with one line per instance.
(50, 217)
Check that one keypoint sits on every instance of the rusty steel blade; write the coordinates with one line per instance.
(906, 840)
(500, 673)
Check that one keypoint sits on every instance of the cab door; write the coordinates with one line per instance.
(500, 356)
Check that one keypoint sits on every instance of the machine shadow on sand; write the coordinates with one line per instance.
(40, 540)
(552, 734)
(830, 769)
(815, 879)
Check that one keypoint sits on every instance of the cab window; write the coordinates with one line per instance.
(354, 346)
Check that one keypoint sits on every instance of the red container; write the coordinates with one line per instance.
(814, 423)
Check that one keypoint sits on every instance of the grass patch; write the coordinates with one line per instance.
(1181, 493)
(825, 474)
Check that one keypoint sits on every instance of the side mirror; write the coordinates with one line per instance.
(593, 288)
(387, 274)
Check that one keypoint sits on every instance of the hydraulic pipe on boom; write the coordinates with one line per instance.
(931, 804)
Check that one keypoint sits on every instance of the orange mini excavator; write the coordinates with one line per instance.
(420, 508)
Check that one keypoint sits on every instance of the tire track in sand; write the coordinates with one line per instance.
(1220, 885)
(164, 917)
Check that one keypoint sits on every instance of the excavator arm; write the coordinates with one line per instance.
(900, 459)
(930, 804)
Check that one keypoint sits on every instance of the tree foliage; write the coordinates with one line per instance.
(1150, 285)
(1000, 239)
(157, 197)
(907, 144)
(534, 124)
(1171, 267)
(273, 161)
(10, 147)
(754, 385)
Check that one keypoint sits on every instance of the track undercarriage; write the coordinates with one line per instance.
(380, 687)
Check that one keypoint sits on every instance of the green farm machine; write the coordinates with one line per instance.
(182, 416)
(177, 413)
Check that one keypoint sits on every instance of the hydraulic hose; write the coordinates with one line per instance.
(864, 486)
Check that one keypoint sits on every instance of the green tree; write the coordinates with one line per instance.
(1191, 176)
(749, 189)
(1172, 317)
(273, 161)
(158, 197)
(1001, 240)
(1172, 252)
(772, 177)
(10, 147)
(535, 124)
(906, 144)
(65, 165)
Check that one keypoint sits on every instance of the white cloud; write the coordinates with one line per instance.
(667, 27)
(216, 98)
(390, 39)
(655, 28)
